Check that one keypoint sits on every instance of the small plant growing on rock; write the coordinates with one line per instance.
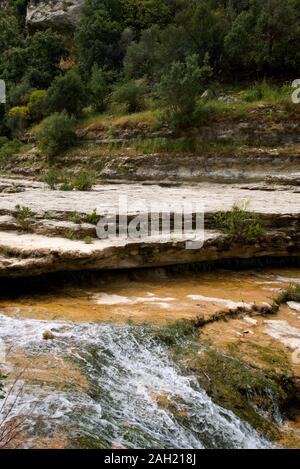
(92, 217)
(52, 178)
(75, 217)
(240, 224)
(24, 216)
(88, 240)
(84, 181)
(67, 186)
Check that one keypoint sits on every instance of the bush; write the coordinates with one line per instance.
(99, 88)
(19, 94)
(37, 105)
(67, 93)
(92, 217)
(56, 134)
(84, 181)
(52, 178)
(24, 216)
(17, 120)
(8, 148)
(178, 89)
(131, 95)
(3, 141)
(240, 224)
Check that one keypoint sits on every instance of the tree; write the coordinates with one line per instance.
(100, 88)
(36, 59)
(140, 60)
(142, 14)
(44, 50)
(98, 35)
(67, 93)
(9, 33)
(265, 38)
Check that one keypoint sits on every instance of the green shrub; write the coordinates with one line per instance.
(37, 105)
(56, 134)
(83, 181)
(88, 240)
(92, 217)
(17, 120)
(66, 186)
(75, 217)
(3, 141)
(179, 88)
(264, 91)
(24, 216)
(67, 93)
(99, 88)
(52, 178)
(131, 95)
(19, 94)
(240, 224)
(8, 148)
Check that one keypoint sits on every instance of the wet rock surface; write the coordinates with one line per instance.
(240, 362)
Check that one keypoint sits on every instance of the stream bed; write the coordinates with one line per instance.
(101, 384)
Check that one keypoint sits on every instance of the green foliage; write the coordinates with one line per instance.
(24, 216)
(141, 56)
(8, 148)
(240, 224)
(292, 294)
(100, 88)
(92, 217)
(169, 46)
(262, 38)
(52, 178)
(131, 95)
(9, 33)
(67, 93)
(178, 89)
(99, 34)
(19, 94)
(141, 14)
(176, 333)
(56, 134)
(260, 91)
(18, 119)
(88, 240)
(37, 105)
(83, 181)
(75, 218)
(35, 59)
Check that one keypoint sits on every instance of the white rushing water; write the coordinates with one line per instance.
(126, 368)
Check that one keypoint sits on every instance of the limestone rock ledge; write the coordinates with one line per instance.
(57, 14)
(25, 255)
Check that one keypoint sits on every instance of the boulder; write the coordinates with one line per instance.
(56, 14)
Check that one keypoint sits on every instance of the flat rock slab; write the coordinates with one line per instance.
(105, 198)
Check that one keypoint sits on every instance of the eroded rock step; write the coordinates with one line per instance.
(51, 243)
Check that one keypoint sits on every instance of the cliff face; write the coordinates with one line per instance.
(58, 14)
(4, 4)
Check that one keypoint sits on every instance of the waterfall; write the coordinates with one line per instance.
(128, 372)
